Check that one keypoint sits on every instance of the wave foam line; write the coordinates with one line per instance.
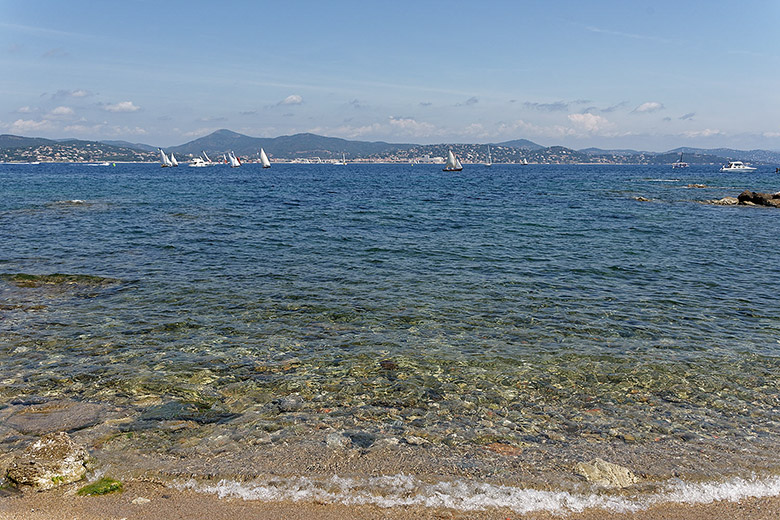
(404, 490)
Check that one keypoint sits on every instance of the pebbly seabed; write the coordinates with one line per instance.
(388, 331)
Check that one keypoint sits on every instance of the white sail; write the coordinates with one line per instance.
(264, 159)
(453, 164)
(490, 161)
(344, 159)
(206, 157)
(174, 162)
(234, 162)
(164, 161)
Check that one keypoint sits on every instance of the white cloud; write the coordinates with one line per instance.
(25, 110)
(28, 125)
(293, 99)
(61, 111)
(122, 106)
(650, 106)
(707, 132)
(771, 134)
(590, 123)
(412, 127)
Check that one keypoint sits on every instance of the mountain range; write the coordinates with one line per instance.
(309, 146)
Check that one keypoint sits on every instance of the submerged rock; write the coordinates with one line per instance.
(41, 280)
(58, 415)
(51, 461)
(606, 474)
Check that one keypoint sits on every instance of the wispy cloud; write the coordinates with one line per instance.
(122, 106)
(25, 110)
(78, 93)
(557, 106)
(28, 125)
(707, 132)
(687, 117)
(632, 36)
(425, 103)
(473, 100)
(56, 53)
(650, 106)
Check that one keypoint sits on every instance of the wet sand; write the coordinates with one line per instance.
(148, 500)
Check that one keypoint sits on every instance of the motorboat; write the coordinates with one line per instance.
(680, 163)
(737, 166)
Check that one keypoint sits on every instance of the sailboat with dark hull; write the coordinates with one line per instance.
(453, 164)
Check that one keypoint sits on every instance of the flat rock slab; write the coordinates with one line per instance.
(56, 416)
(606, 474)
(51, 461)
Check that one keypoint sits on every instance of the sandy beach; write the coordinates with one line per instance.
(148, 500)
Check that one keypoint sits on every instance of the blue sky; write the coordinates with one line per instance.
(649, 75)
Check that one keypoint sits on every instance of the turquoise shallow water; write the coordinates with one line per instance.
(523, 307)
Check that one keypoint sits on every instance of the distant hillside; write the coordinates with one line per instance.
(523, 144)
(15, 141)
(29, 149)
(285, 147)
(133, 146)
(756, 156)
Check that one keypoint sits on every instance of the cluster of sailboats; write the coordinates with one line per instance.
(203, 160)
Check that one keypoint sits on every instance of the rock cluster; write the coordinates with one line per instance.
(748, 197)
(52, 460)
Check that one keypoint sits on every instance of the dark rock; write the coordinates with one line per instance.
(289, 404)
(51, 461)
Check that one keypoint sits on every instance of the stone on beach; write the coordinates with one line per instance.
(52, 460)
(59, 415)
(606, 474)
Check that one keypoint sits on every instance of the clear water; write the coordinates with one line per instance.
(500, 324)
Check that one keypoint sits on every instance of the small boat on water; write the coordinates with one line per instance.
(165, 162)
(264, 159)
(737, 167)
(453, 164)
(490, 160)
(680, 163)
(174, 162)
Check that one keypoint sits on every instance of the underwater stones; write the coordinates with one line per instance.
(54, 416)
(725, 201)
(291, 403)
(57, 279)
(337, 441)
(52, 460)
(606, 474)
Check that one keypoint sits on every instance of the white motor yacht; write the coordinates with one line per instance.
(737, 166)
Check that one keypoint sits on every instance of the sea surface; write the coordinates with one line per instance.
(397, 334)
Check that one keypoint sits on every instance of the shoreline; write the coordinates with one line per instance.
(143, 500)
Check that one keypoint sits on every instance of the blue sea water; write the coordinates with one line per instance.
(508, 321)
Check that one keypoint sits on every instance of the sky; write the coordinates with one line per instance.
(647, 75)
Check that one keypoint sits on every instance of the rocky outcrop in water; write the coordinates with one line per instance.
(51, 461)
(749, 198)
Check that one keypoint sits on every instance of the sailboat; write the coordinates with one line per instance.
(164, 161)
(343, 159)
(234, 162)
(490, 160)
(264, 159)
(453, 164)
(174, 162)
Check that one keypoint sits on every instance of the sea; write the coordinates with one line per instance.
(396, 334)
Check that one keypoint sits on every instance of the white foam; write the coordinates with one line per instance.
(404, 490)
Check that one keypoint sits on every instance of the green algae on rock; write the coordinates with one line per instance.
(103, 486)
